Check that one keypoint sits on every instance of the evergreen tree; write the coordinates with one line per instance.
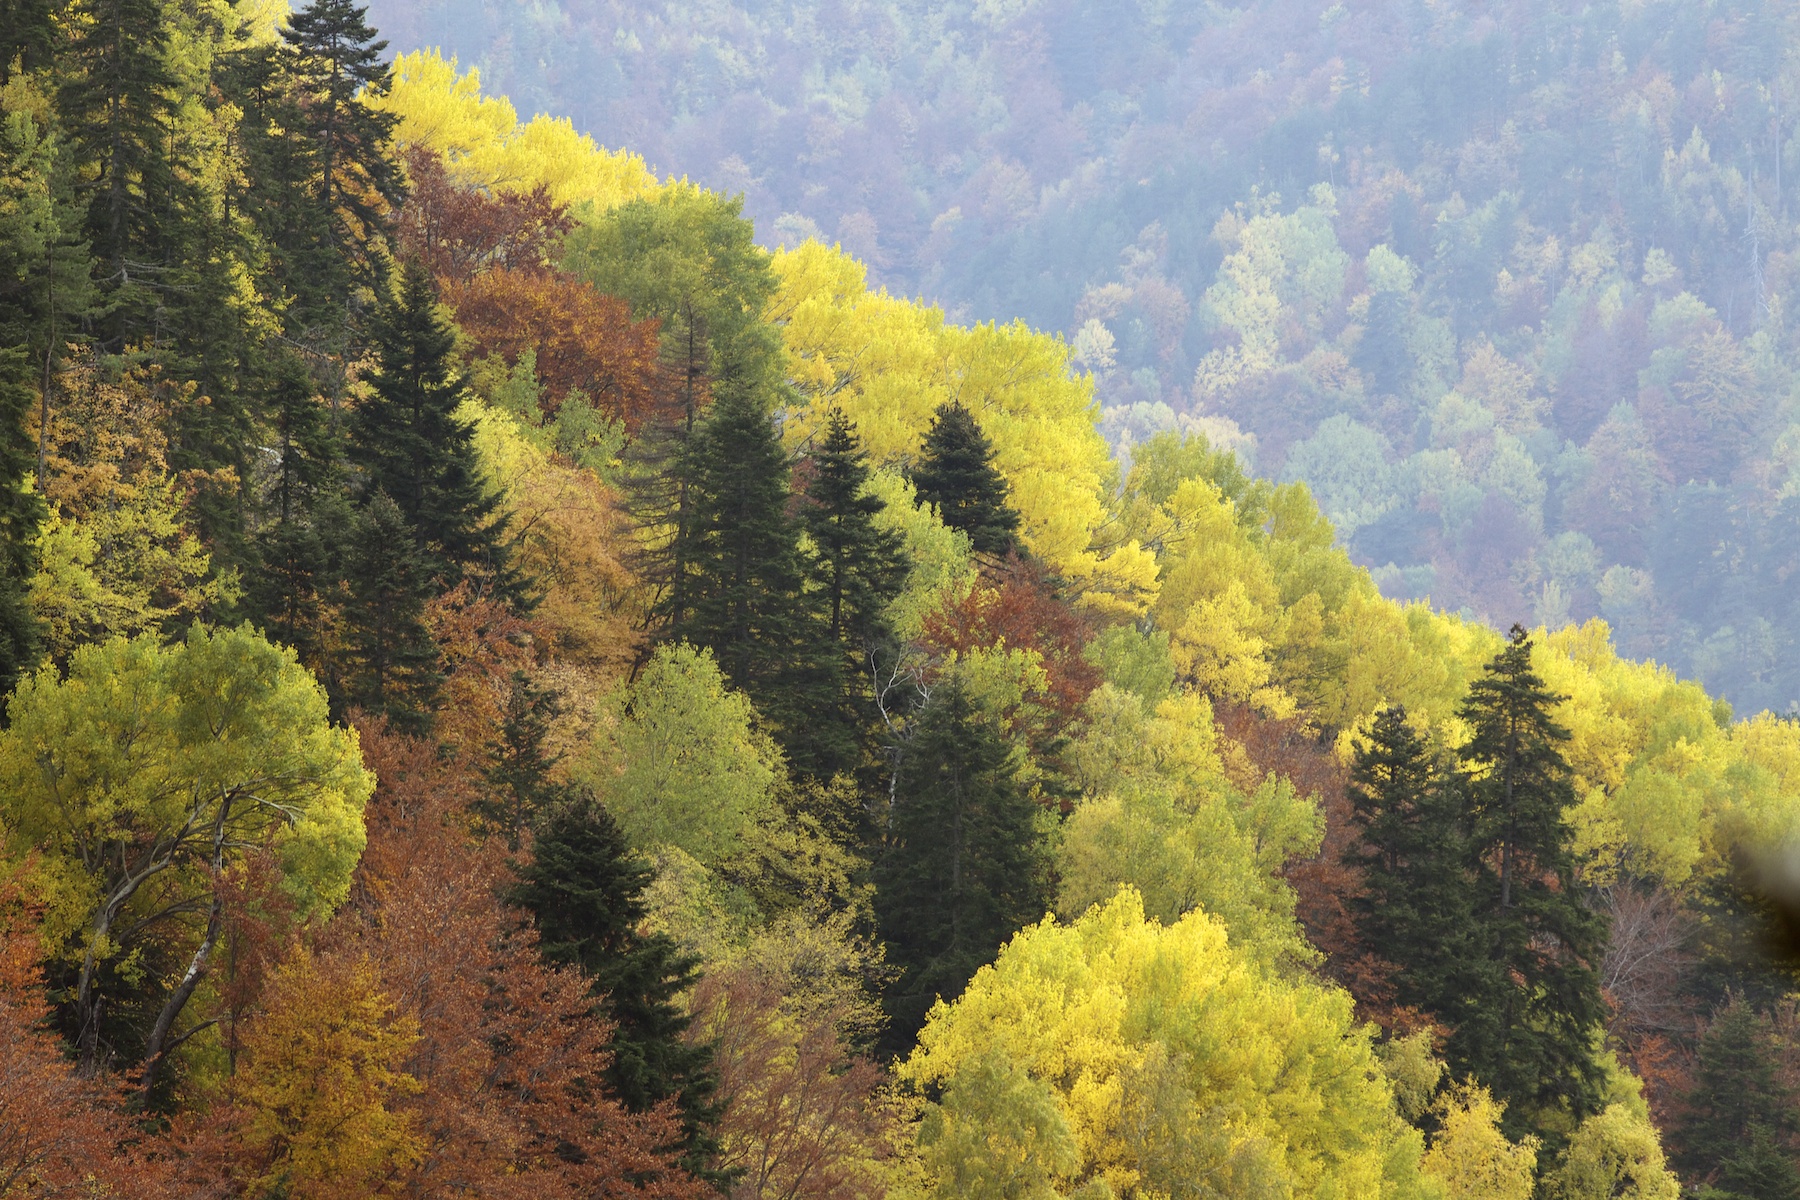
(332, 65)
(956, 473)
(584, 889)
(117, 102)
(28, 35)
(519, 785)
(22, 513)
(392, 666)
(1415, 908)
(746, 588)
(292, 557)
(410, 445)
(1530, 1035)
(859, 569)
(962, 869)
(1738, 1109)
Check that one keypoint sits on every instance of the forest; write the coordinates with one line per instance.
(515, 689)
(1503, 281)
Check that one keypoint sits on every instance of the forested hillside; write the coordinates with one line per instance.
(1506, 283)
(515, 690)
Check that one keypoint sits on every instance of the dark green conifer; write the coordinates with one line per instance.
(410, 444)
(518, 774)
(392, 666)
(331, 66)
(746, 581)
(584, 889)
(962, 868)
(859, 569)
(22, 513)
(1739, 1110)
(1530, 1035)
(956, 473)
(1415, 909)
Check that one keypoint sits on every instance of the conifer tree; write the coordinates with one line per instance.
(1415, 909)
(859, 569)
(1530, 1035)
(962, 869)
(22, 513)
(117, 100)
(331, 66)
(410, 444)
(518, 774)
(1738, 1110)
(584, 889)
(746, 584)
(956, 473)
(392, 666)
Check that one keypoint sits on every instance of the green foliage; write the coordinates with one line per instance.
(22, 514)
(956, 474)
(678, 761)
(390, 663)
(519, 779)
(1739, 1109)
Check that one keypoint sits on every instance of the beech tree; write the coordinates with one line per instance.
(144, 773)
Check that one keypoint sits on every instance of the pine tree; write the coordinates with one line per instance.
(1530, 1036)
(22, 513)
(519, 783)
(410, 445)
(1415, 909)
(584, 889)
(28, 35)
(288, 586)
(392, 666)
(1738, 1109)
(962, 869)
(331, 65)
(956, 473)
(859, 570)
(747, 581)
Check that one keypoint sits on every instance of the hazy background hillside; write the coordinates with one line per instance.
(1506, 283)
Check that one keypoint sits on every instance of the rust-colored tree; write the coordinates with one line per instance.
(458, 232)
(60, 1135)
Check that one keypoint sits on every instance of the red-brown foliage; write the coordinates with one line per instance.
(583, 339)
(59, 1135)
(1016, 604)
(510, 1050)
(458, 232)
(480, 643)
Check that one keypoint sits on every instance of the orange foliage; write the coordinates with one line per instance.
(583, 339)
(59, 1135)
(509, 1051)
(481, 642)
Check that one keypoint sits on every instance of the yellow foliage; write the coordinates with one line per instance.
(1169, 1055)
(324, 1062)
(1471, 1157)
(484, 145)
(888, 363)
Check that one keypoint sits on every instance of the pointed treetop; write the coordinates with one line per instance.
(956, 473)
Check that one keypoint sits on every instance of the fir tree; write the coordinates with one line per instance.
(962, 869)
(1415, 906)
(859, 569)
(1530, 1035)
(410, 444)
(519, 783)
(956, 473)
(332, 65)
(292, 556)
(117, 101)
(1739, 1109)
(747, 581)
(393, 663)
(22, 513)
(584, 889)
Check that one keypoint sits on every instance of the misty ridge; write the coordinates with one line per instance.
(1506, 284)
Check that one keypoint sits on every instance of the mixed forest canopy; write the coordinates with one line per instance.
(1505, 283)
(515, 689)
